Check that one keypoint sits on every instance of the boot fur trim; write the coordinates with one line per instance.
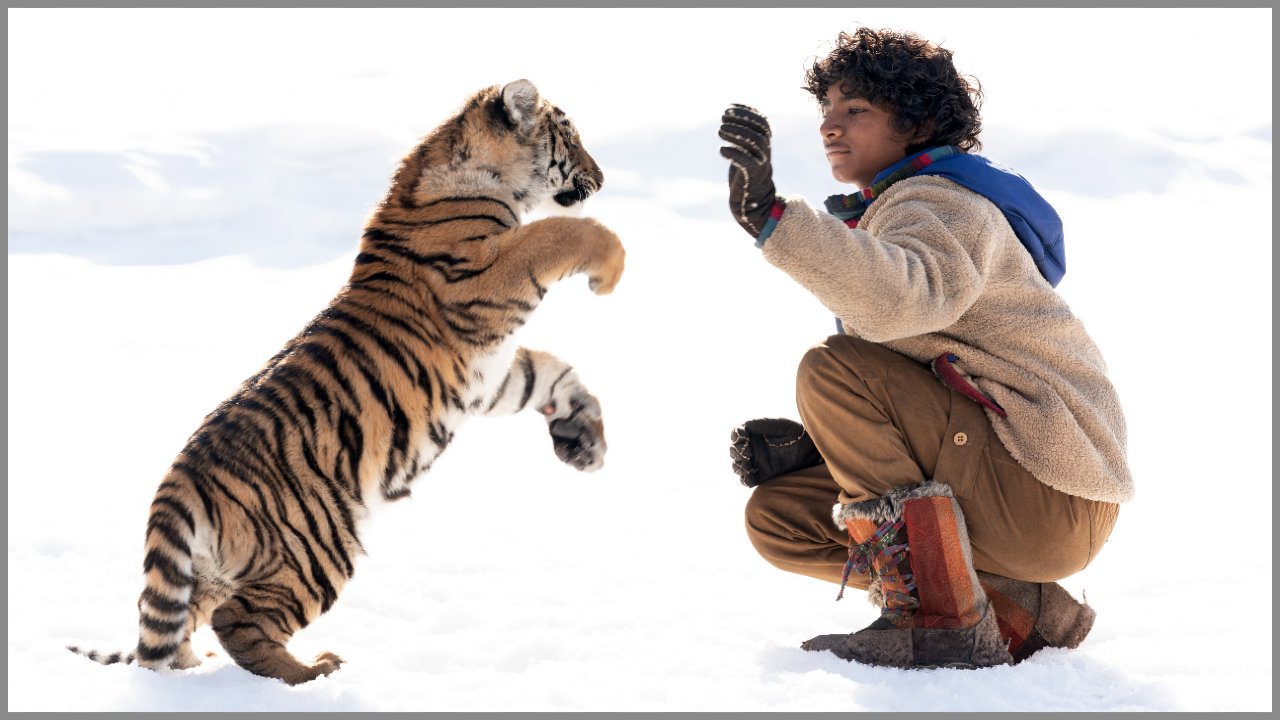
(889, 506)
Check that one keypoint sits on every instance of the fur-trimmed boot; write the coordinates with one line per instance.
(933, 611)
(1032, 616)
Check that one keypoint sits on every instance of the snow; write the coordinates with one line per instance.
(178, 210)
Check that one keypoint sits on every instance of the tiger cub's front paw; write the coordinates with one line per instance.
(607, 270)
(577, 429)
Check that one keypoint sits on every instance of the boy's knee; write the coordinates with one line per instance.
(761, 519)
(838, 362)
(817, 367)
(771, 523)
(769, 535)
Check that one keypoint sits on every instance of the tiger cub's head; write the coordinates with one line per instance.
(510, 140)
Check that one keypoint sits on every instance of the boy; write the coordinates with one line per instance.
(957, 503)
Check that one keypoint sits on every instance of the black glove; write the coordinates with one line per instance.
(766, 448)
(751, 192)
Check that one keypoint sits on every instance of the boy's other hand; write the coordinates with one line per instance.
(768, 447)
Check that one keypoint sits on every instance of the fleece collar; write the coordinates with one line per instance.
(1033, 219)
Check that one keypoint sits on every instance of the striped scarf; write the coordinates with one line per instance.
(850, 208)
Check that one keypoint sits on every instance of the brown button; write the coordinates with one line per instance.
(960, 438)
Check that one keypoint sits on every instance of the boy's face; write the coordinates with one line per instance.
(858, 137)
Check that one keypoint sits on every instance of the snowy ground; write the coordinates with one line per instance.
(149, 275)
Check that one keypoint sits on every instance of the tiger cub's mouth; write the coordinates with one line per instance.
(569, 198)
(581, 191)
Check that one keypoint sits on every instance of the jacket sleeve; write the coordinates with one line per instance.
(915, 264)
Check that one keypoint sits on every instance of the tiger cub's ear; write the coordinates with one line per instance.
(520, 100)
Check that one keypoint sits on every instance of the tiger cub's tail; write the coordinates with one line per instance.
(164, 607)
(104, 658)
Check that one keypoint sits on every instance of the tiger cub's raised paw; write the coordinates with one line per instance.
(607, 270)
(577, 428)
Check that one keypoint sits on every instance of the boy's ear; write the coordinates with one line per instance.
(924, 131)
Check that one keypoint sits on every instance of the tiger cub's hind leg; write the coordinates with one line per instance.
(256, 634)
(185, 658)
(208, 593)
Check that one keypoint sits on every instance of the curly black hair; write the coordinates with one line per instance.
(909, 76)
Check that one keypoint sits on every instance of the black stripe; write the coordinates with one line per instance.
(336, 496)
(383, 276)
(526, 364)
(515, 217)
(444, 263)
(472, 334)
(241, 626)
(427, 381)
(435, 258)
(512, 304)
(362, 361)
(439, 435)
(167, 627)
(502, 389)
(326, 359)
(282, 408)
(329, 594)
(163, 604)
(419, 332)
(377, 235)
(173, 574)
(399, 448)
(199, 480)
(554, 383)
(151, 654)
(284, 610)
(483, 217)
(373, 333)
(537, 286)
(293, 376)
(156, 524)
(177, 508)
(351, 435)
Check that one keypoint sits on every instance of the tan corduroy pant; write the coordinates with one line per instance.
(882, 420)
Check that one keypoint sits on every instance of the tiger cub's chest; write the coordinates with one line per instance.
(487, 374)
(483, 377)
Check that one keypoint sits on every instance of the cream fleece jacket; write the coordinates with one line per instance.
(934, 267)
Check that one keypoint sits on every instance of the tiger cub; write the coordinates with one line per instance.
(254, 527)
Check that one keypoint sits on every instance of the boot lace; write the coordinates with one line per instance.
(882, 555)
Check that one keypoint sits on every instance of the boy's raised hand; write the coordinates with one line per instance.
(751, 191)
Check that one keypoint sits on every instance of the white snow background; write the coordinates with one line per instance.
(187, 188)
